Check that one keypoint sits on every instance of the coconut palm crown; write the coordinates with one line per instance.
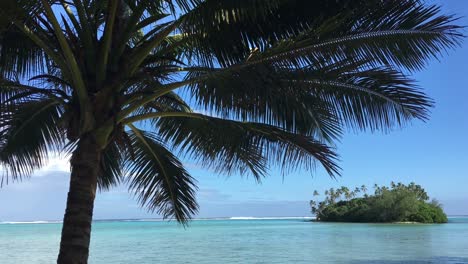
(124, 87)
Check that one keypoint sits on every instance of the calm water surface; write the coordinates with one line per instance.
(246, 241)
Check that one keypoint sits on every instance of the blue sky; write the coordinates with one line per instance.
(433, 154)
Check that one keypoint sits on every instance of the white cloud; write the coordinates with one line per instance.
(56, 163)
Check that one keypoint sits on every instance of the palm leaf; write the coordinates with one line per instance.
(231, 146)
(158, 178)
(225, 31)
(403, 34)
(13, 91)
(28, 135)
(19, 55)
(319, 100)
(111, 167)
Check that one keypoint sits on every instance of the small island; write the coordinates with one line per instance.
(398, 203)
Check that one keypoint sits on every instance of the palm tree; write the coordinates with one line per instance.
(345, 190)
(114, 83)
(356, 191)
(363, 188)
(313, 207)
(376, 189)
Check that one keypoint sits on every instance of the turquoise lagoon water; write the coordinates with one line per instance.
(245, 241)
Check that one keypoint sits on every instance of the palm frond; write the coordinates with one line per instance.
(19, 55)
(12, 91)
(226, 31)
(27, 135)
(167, 103)
(158, 178)
(319, 100)
(378, 99)
(231, 146)
(111, 168)
(405, 33)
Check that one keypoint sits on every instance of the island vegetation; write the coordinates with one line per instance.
(397, 203)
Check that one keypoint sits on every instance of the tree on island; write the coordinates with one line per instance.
(102, 80)
(397, 203)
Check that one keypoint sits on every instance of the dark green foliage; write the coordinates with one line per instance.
(399, 203)
(428, 213)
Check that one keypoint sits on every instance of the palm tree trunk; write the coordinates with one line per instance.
(76, 230)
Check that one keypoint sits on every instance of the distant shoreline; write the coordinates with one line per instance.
(236, 218)
(162, 219)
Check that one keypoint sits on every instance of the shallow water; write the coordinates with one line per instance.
(246, 241)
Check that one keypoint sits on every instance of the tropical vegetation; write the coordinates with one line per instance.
(128, 88)
(397, 203)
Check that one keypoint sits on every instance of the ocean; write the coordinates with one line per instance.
(245, 240)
